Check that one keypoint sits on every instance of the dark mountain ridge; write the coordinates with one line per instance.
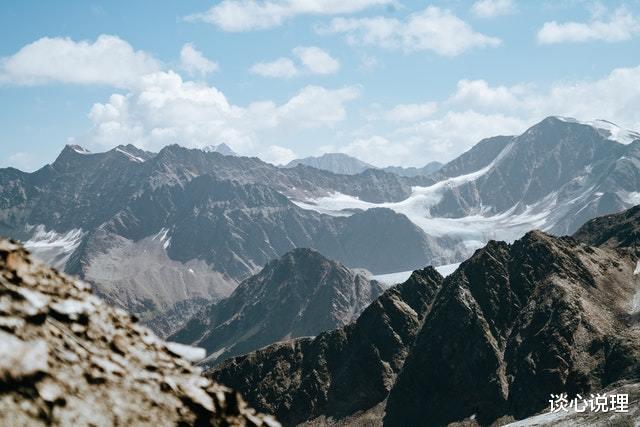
(300, 294)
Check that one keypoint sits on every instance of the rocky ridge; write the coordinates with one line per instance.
(299, 294)
(339, 373)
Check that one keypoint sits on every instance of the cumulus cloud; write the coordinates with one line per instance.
(165, 109)
(277, 155)
(619, 26)
(247, 15)
(107, 61)
(477, 109)
(434, 29)
(492, 8)
(312, 60)
(439, 138)
(411, 112)
(316, 60)
(478, 93)
(194, 62)
(280, 68)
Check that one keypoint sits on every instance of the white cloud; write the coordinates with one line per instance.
(433, 29)
(316, 60)
(194, 62)
(492, 8)
(621, 25)
(247, 15)
(478, 93)
(165, 109)
(280, 68)
(313, 60)
(277, 155)
(109, 61)
(411, 112)
(21, 160)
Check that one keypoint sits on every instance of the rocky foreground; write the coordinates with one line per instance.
(67, 358)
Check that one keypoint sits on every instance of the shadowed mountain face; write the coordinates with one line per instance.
(620, 230)
(340, 372)
(519, 322)
(515, 323)
(67, 358)
(299, 294)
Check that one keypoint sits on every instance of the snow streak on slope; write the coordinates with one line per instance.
(609, 130)
(474, 230)
(130, 156)
(51, 247)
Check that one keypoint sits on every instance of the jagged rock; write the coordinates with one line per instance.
(341, 372)
(67, 358)
(515, 323)
(300, 294)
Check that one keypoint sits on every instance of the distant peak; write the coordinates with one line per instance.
(78, 149)
(221, 148)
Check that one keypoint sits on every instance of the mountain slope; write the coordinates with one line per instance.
(555, 176)
(300, 294)
(543, 315)
(516, 321)
(340, 372)
(66, 358)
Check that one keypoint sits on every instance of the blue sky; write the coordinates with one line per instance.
(389, 81)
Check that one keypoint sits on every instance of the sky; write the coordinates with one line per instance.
(392, 82)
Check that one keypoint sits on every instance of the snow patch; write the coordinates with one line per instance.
(607, 129)
(187, 352)
(163, 237)
(51, 247)
(80, 150)
(130, 156)
(632, 198)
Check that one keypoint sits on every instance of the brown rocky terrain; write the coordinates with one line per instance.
(67, 358)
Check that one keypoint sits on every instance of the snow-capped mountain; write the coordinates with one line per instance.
(555, 176)
(185, 225)
(157, 230)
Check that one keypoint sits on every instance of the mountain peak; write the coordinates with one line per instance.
(77, 148)
(302, 293)
(339, 163)
(221, 148)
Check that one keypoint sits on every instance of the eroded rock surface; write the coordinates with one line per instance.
(67, 358)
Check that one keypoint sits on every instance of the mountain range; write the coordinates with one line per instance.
(161, 233)
(489, 343)
(344, 164)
